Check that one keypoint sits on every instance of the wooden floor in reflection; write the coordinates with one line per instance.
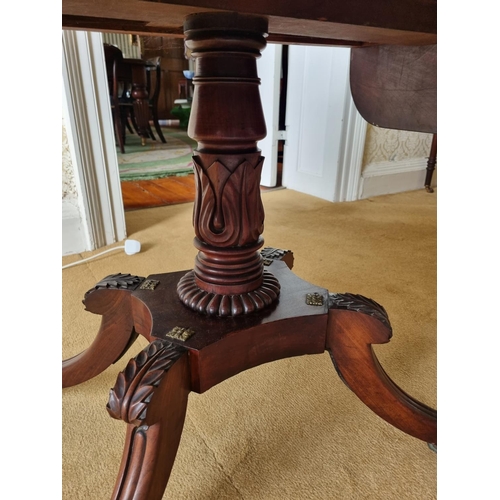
(158, 192)
(161, 192)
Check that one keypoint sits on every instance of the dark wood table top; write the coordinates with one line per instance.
(404, 30)
(331, 22)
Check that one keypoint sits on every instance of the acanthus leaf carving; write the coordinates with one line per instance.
(135, 385)
(118, 281)
(229, 210)
(270, 254)
(361, 304)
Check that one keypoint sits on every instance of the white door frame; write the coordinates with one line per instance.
(351, 153)
(91, 138)
(269, 71)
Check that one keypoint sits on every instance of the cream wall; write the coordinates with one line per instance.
(383, 145)
(73, 233)
(69, 191)
(393, 161)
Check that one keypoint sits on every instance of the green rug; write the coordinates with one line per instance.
(156, 159)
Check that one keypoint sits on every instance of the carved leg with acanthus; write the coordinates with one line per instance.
(151, 395)
(354, 324)
(110, 298)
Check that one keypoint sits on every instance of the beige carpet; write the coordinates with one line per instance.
(288, 430)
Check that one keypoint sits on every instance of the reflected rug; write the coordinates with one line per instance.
(156, 159)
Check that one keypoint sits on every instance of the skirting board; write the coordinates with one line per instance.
(393, 177)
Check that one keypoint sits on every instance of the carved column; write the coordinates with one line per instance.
(227, 121)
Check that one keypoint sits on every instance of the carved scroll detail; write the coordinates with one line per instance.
(118, 281)
(359, 303)
(136, 384)
(228, 209)
(269, 254)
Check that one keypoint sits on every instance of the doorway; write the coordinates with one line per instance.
(101, 201)
(157, 171)
(146, 191)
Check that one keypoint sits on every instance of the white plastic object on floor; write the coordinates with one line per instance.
(131, 247)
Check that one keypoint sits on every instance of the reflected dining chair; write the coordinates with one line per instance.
(153, 67)
(119, 90)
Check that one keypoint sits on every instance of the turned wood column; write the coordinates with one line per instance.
(227, 121)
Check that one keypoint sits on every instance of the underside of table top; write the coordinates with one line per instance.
(333, 22)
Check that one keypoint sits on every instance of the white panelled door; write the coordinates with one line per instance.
(319, 121)
(269, 71)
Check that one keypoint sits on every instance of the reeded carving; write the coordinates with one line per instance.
(359, 303)
(136, 384)
(269, 254)
(228, 208)
(227, 305)
(118, 281)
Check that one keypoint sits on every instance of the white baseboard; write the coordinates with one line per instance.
(73, 233)
(393, 177)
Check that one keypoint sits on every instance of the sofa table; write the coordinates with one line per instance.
(241, 305)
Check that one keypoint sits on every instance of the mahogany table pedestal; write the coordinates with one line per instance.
(239, 307)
